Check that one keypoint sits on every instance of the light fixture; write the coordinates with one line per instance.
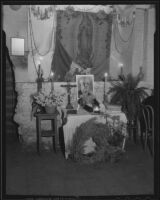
(17, 46)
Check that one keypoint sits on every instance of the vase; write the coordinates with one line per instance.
(50, 109)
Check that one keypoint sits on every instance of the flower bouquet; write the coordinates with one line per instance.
(48, 102)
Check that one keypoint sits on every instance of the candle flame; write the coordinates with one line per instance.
(106, 74)
(52, 74)
(120, 64)
(38, 62)
(40, 58)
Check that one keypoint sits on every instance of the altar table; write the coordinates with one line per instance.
(75, 120)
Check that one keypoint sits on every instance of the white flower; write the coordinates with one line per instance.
(53, 98)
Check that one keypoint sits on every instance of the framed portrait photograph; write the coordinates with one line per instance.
(84, 83)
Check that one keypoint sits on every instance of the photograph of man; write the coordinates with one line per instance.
(86, 98)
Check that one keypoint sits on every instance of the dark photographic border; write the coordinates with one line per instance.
(156, 194)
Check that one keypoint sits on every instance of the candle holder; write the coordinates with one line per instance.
(121, 75)
(121, 72)
(40, 78)
(52, 85)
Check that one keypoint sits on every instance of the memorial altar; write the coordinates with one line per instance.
(71, 45)
(27, 123)
(23, 112)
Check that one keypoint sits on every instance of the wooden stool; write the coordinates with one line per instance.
(47, 133)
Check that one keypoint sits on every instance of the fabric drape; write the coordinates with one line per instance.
(86, 39)
(61, 61)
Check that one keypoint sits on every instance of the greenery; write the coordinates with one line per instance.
(127, 93)
(108, 145)
(75, 70)
(41, 99)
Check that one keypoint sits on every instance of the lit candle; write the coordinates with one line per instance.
(40, 57)
(105, 77)
(40, 71)
(51, 78)
(121, 68)
(38, 62)
(52, 74)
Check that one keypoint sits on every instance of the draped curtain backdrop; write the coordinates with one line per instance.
(41, 42)
(124, 38)
(86, 38)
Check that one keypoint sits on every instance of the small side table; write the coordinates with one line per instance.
(47, 133)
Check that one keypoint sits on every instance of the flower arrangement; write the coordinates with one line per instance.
(108, 145)
(53, 98)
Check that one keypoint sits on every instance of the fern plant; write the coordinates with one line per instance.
(126, 93)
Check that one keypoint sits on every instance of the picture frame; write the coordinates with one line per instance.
(84, 82)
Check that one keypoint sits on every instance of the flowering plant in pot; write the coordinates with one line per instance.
(49, 101)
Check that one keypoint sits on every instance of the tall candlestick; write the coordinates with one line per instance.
(105, 76)
(40, 77)
(52, 81)
(52, 85)
(105, 79)
(121, 70)
(40, 71)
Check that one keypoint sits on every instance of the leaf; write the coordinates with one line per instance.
(128, 94)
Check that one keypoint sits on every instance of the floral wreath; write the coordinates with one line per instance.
(108, 143)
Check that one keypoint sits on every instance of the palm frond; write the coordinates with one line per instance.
(127, 92)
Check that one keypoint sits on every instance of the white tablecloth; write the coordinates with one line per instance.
(75, 120)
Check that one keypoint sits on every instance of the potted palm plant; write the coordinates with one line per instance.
(129, 95)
